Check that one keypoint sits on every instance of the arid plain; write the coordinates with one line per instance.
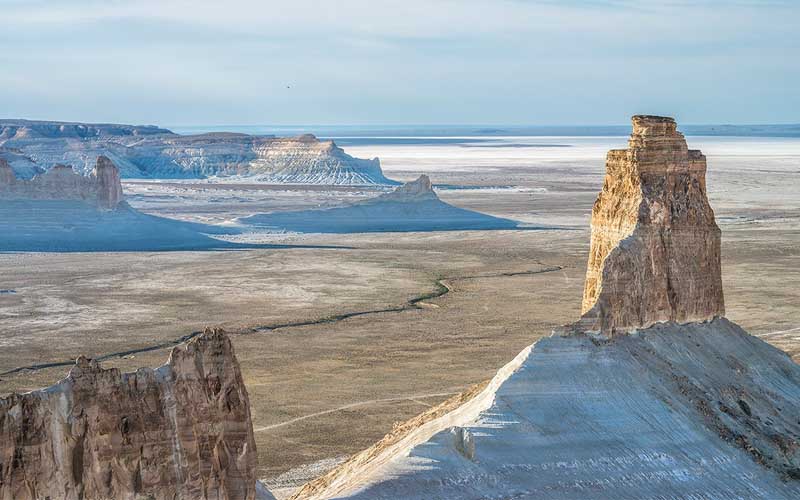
(341, 335)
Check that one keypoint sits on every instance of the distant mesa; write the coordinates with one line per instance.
(652, 394)
(31, 147)
(414, 206)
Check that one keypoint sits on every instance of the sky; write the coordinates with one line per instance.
(369, 62)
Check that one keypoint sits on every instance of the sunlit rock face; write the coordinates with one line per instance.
(181, 431)
(655, 249)
(151, 152)
(102, 187)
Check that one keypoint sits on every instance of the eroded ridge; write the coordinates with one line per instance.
(655, 249)
(180, 431)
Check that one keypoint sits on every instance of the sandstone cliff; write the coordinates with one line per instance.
(181, 431)
(655, 249)
(102, 187)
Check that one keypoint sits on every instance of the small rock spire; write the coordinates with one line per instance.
(109, 184)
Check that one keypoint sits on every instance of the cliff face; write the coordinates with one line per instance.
(103, 187)
(47, 129)
(181, 431)
(158, 153)
(655, 249)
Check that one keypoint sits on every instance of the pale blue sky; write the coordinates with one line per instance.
(391, 62)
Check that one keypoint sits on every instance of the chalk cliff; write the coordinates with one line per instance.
(151, 152)
(181, 431)
(102, 187)
(655, 249)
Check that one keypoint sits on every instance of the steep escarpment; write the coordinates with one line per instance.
(655, 249)
(101, 187)
(181, 431)
(149, 152)
(29, 129)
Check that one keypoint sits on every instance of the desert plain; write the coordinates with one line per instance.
(339, 336)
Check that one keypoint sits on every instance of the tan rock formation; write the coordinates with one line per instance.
(103, 187)
(181, 431)
(109, 185)
(7, 176)
(655, 250)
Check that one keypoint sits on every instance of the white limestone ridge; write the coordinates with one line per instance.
(151, 152)
(666, 411)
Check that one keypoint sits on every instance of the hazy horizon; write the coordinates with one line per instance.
(391, 63)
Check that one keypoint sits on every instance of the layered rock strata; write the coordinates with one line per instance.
(150, 152)
(102, 187)
(181, 431)
(655, 249)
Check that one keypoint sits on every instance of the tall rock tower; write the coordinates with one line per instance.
(655, 250)
(109, 185)
(7, 176)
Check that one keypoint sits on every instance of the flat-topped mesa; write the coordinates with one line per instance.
(102, 188)
(180, 431)
(655, 249)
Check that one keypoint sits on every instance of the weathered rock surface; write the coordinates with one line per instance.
(701, 410)
(102, 187)
(181, 431)
(158, 153)
(655, 250)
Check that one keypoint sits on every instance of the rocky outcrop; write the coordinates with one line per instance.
(150, 152)
(413, 206)
(109, 185)
(418, 190)
(102, 187)
(655, 249)
(181, 431)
